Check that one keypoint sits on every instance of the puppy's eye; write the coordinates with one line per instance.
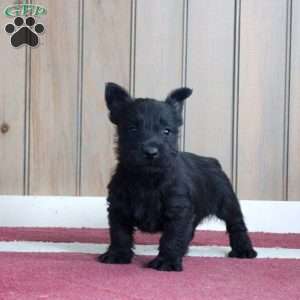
(132, 129)
(166, 131)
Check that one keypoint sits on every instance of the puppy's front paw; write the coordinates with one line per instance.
(111, 257)
(162, 264)
(243, 253)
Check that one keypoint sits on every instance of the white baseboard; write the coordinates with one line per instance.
(90, 212)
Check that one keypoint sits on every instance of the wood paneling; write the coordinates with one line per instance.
(261, 99)
(53, 127)
(294, 137)
(12, 107)
(159, 33)
(234, 54)
(106, 58)
(210, 74)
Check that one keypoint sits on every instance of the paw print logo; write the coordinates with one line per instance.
(24, 31)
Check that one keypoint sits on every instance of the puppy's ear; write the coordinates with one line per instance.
(117, 98)
(176, 98)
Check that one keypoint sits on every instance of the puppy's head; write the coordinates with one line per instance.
(147, 129)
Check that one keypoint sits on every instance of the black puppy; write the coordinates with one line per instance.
(157, 188)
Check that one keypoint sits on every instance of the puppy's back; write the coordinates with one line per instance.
(192, 160)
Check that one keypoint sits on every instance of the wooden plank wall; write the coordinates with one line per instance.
(12, 107)
(53, 108)
(210, 73)
(294, 120)
(158, 47)
(241, 58)
(261, 99)
(106, 57)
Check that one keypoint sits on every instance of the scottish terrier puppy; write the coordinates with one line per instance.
(157, 188)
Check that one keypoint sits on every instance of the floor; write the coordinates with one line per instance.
(61, 264)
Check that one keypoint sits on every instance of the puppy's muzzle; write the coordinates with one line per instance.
(150, 153)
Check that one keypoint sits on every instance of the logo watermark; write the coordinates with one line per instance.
(24, 30)
(25, 9)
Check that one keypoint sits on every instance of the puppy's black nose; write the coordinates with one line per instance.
(150, 152)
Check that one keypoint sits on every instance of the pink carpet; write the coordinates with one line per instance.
(101, 236)
(80, 276)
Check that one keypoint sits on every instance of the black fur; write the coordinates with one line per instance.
(157, 188)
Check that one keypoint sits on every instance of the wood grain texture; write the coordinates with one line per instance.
(294, 137)
(261, 101)
(12, 108)
(159, 29)
(59, 131)
(210, 74)
(106, 58)
(53, 127)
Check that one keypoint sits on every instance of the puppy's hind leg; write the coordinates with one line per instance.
(240, 242)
